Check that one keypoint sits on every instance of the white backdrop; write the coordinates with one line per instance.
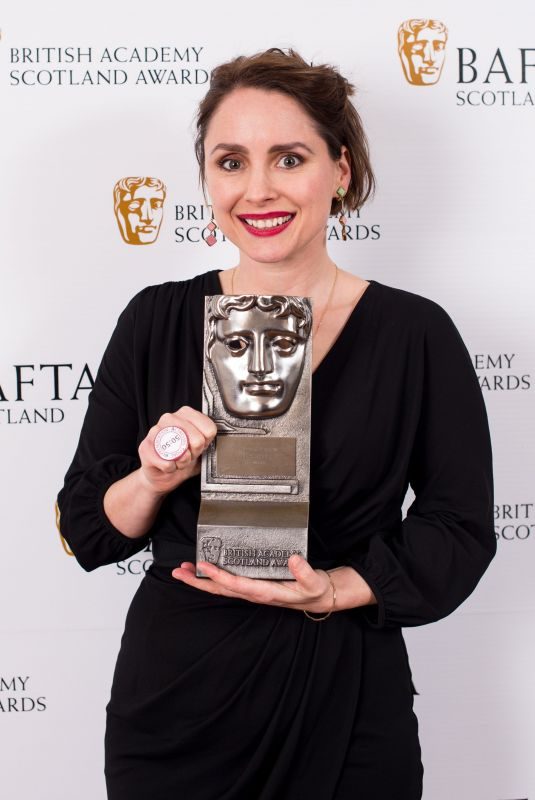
(452, 220)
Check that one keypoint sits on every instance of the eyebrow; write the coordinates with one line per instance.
(276, 148)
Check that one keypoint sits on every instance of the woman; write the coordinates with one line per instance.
(223, 688)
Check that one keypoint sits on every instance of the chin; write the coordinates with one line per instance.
(269, 259)
(259, 413)
(266, 254)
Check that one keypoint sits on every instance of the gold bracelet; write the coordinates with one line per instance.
(320, 619)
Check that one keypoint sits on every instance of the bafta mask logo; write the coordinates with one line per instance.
(422, 49)
(138, 205)
(211, 548)
(256, 347)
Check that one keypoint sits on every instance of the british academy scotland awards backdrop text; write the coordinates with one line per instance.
(99, 198)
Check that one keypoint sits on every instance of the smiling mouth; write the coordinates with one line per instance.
(266, 224)
(262, 387)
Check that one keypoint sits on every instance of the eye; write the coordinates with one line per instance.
(290, 160)
(134, 205)
(285, 345)
(230, 164)
(237, 345)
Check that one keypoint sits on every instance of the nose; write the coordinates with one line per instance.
(259, 187)
(146, 212)
(261, 361)
(429, 53)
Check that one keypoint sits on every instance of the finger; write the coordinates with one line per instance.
(150, 458)
(309, 584)
(205, 584)
(256, 590)
(253, 590)
(201, 421)
(196, 439)
(276, 593)
(197, 442)
(306, 576)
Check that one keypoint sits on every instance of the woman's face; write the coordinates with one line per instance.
(270, 176)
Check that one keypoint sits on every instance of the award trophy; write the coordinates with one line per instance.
(255, 474)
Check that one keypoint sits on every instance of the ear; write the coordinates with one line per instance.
(344, 168)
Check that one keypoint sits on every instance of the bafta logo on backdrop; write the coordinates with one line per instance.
(138, 205)
(422, 50)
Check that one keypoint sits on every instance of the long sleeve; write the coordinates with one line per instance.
(106, 452)
(430, 564)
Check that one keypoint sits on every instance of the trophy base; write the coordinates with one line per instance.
(254, 552)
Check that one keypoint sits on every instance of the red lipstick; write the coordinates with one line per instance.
(272, 230)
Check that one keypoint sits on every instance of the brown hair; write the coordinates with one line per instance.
(319, 89)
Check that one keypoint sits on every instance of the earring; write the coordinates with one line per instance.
(211, 238)
(341, 192)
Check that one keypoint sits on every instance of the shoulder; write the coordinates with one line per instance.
(410, 320)
(168, 297)
(421, 326)
(413, 312)
(404, 304)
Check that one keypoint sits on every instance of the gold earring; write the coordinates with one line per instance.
(341, 192)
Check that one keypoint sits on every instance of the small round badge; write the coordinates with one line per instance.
(171, 443)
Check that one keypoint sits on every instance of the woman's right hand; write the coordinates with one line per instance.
(132, 503)
(161, 476)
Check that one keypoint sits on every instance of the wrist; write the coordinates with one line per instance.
(131, 505)
(150, 491)
(332, 593)
(352, 590)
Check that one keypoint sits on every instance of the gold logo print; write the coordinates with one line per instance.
(138, 205)
(63, 541)
(422, 49)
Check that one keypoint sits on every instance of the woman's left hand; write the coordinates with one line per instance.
(311, 590)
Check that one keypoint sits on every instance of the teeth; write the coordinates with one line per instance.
(268, 223)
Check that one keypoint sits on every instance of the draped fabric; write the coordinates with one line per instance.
(218, 698)
(221, 699)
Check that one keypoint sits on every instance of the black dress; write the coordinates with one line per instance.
(216, 698)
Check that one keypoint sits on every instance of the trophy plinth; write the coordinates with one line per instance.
(255, 474)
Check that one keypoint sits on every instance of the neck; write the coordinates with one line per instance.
(300, 277)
